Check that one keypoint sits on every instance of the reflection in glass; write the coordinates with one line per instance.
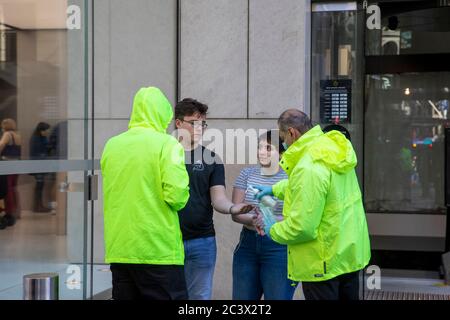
(10, 149)
(34, 80)
(336, 46)
(40, 150)
(404, 145)
(41, 98)
(39, 241)
(424, 31)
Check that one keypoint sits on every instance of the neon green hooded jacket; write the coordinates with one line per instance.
(324, 222)
(145, 183)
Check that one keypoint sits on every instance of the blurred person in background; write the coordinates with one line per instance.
(39, 150)
(10, 150)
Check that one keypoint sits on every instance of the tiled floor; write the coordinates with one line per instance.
(31, 246)
(409, 286)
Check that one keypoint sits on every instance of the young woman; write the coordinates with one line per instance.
(259, 263)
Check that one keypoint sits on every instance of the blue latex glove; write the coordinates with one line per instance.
(265, 191)
(268, 219)
(267, 228)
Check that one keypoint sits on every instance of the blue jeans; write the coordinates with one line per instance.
(199, 264)
(260, 267)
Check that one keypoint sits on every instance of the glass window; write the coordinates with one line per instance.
(406, 115)
(43, 121)
(66, 87)
(337, 43)
(405, 31)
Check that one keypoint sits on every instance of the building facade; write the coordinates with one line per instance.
(378, 68)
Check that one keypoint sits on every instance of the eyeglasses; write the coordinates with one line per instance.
(197, 123)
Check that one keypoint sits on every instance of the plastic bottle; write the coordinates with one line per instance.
(267, 205)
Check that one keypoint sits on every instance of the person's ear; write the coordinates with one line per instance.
(291, 132)
(294, 133)
(178, 123)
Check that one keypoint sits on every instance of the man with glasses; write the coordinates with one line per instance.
(207, 191)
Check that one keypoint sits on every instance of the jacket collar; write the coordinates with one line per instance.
(298, 149)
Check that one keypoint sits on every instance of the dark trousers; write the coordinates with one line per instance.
(38, 193)
(12, 207)
(343, 287)
(148, 282)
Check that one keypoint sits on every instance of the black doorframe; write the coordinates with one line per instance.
(447, 186)
(407, 63)
(418, 260)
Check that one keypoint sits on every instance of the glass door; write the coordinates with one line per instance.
(406, 116)
(407, 94)
(337, 40)
(397, 75)
(45, 162)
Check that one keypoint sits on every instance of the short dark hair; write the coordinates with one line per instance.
(267, 136)
(42, 126)
(188, 107)
(296, 119)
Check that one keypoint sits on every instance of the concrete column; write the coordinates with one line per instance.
(277, 57)
(135, 46)
(213, 55)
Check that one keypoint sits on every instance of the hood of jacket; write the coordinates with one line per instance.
(332, 148)
(151, 109)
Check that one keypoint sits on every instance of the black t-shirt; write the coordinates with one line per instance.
(205, 170)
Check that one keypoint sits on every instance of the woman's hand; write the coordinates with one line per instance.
(258, 222)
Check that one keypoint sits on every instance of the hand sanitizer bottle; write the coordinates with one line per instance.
(267, 205)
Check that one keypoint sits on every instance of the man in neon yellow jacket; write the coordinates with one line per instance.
(145, 183)
(325, 226)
